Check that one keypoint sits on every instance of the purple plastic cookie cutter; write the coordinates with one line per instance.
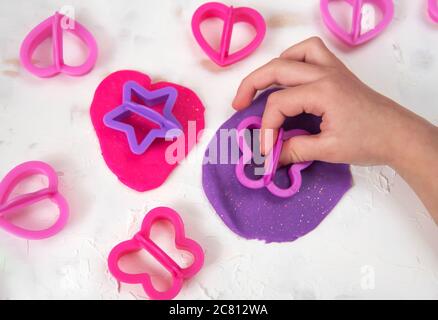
(355, 37)
(169, 126)
(267, 181)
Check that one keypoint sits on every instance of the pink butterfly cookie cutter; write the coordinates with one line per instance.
(142, 241)
(10, 206)
(355, 37)
(54, 27)
(433, 9)
(230, 16)
(267, 181)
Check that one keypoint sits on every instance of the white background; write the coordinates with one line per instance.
(379, 229)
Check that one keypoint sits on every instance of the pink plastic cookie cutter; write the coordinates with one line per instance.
(142, 241)
(267, 180)
(433, 10)
(230, 16)
(355, 37)
(54, 27)
(9, 207)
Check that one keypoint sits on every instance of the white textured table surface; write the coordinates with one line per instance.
(379, 242)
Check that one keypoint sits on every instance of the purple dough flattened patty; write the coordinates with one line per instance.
(257, 214)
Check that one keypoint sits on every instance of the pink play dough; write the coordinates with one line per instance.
(149, 170)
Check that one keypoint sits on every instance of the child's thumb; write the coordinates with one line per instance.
(300, 149)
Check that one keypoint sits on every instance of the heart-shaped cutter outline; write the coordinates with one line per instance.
(12, 179)
(51, 27)
(433, 9)
(230, 16)
(294, 172)
(355, 38)
(142, 241)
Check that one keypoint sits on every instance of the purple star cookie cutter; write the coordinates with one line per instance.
(169, 126)
(267, 181)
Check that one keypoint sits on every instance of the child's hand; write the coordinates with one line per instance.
(359, 125)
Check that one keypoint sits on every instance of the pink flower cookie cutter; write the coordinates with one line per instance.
(54, 27)
(11, 206)
(142, 241)
(355, 37)
(230, 16)
(267, 181)
(433, 10)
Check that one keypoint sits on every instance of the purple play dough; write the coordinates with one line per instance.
(257, 214)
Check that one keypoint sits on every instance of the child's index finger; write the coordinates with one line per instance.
(277, 72)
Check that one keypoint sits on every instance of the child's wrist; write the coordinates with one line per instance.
(412, 140)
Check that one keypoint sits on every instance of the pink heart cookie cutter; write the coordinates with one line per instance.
(53, 27)
(9, 207)
(142, 241)
(230, 16)
(267, 181)
(355, 37)
(433, 10)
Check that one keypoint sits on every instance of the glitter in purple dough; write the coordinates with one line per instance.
(257, 214)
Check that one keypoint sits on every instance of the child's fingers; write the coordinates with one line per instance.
(278, 71)
(301, 149)
(285, 103)
(312, 50)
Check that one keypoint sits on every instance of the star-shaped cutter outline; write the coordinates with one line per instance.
(169, 126)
